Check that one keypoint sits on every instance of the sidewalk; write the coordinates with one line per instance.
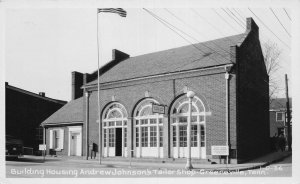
(253, 164)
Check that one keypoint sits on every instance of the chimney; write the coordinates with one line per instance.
(251, 26)
(118, 55)
(42, 94)
(77, 82)
(87, 78)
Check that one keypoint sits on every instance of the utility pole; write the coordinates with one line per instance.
(289, 138)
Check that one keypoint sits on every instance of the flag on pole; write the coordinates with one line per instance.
(119, 11)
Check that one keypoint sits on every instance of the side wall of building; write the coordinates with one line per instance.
(24, 113)
(253, 99)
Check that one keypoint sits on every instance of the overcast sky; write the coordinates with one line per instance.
(44, 45)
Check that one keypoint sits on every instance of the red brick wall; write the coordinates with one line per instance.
(253, 103)
(210, 88)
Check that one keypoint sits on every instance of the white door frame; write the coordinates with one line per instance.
(75, 129)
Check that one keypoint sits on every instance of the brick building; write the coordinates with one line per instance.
(129, 86)
(278, 118)
(24, 112)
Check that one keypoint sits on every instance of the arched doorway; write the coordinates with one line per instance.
(114, 131)
(148, 130)
(178, 132)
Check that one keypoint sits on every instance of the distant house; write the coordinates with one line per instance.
(24, 111)
(230, 82)
(278, 118)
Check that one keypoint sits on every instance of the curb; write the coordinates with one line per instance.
(254, 167)
(207, 169)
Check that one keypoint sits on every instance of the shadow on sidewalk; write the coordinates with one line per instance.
(270, 157)
(29, 159)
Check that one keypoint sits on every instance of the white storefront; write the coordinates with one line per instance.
(148, 130)
(178, 118)
(115, 130)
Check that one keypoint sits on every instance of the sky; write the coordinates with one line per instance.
(44, 45)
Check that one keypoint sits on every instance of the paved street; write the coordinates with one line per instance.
(279, 169)
(28, 167)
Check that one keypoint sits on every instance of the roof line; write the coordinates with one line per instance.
(34, 94)
(159, 75)
(62, 123)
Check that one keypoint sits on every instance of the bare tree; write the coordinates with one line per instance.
(271, 56)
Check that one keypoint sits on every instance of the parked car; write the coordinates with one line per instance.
(13, 147)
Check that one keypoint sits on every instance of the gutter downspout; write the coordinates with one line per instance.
(44, 143)
(87, 124)
(227, 120)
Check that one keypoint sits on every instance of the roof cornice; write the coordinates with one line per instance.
(159, 76)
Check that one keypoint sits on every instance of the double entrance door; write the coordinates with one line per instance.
(113, 142)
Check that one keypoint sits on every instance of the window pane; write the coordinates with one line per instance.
(152, 121)
(184, 109)
(153, 134)
(182, 136)
(194, 119)
(144, 121)
(183, 119)
(111, 135)
(194, 136)
(144, 132)
(119, 123)
(279, 116)
(174, 136)
(160, 120)
(115, 114)
(137, 122)
(161, 136)
(137, 137)
(202, 134)
(125, 123)
(104, 137)
(201, 118)
(125, 137)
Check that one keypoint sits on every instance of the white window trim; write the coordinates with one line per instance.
(74, 129)
(108, 110)
(281, 116)
(174, 120)
(61, 139)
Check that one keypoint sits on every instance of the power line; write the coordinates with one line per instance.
(166, 24)
(287, 14)
(196, 31)
(241, 23)
(244, 17)
(208, 22)
(224, 20)
(157, 17)
(280, 22)
(238, 14)
(268, 28)
(232, 17)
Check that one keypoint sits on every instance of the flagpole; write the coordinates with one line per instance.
(100, 145)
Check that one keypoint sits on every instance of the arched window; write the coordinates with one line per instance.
(179, 118)
(114, 123)
(148, 130)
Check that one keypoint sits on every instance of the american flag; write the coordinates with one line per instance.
(119, 11)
